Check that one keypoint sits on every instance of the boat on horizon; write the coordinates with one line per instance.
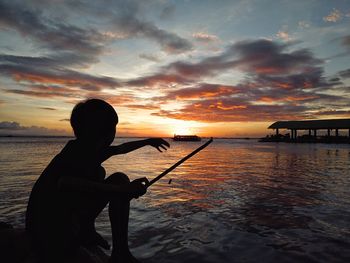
(188, 138)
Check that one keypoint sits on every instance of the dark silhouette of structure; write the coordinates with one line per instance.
(72, 190)
(312, 126)
(191, 138)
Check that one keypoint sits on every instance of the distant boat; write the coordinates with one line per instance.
(188, 138)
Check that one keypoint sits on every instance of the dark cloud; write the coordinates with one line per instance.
(170, 42)
(50, 33)
(47, 108)
(8, 125)
(15, 128)
(342, 113)
(41, 94)
(281, 83)
(259, 57)
(56, 76)
(308, 79)
(345, 73)
(167, 11)
(156, 80)
(271, 58)
(346, 41)
(128, 20)
(59, 60)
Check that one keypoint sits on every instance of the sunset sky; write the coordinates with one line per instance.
(211, 68)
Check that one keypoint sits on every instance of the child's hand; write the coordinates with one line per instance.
(158, 143)
(138, 187)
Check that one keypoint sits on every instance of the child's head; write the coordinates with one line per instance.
(94, 120)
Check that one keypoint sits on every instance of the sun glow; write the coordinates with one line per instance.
(182, 131)
(183, 128)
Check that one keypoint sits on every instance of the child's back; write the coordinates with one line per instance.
(52, 212)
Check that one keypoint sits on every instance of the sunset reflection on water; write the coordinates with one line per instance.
(235, 199)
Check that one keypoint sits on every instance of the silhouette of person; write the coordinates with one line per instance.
(72, 190)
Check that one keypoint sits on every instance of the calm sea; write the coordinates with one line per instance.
(236, 201)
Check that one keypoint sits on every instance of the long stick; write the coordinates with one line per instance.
(179, 162)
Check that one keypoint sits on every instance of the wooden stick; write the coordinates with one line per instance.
(179, 162)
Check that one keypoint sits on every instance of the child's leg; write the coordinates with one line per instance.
(119, 207)
(119, 214)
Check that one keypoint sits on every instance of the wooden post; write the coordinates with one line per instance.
(336, 132)
(315, 133)
(277, 132)
(329, 132)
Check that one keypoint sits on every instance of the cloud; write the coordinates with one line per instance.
(156, 80)
(15, 128)
(128, 21)
(251, 56)
(281, 84)
(47, 108)
(303, 24)
(52, 61)
(267, 57)
(204, 37)
(141, 106)
(243, 108)
(345, 73)
(284, 35)
(334, 16)
(168, 11)
(170, 42)
(24, 72)
(42, 91)
(346, 41)
(7, 125)
(50, 33)
(233, 110)
(203, 90)
(341, 113)
(150, 57)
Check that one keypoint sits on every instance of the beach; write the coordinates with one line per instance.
(235, 201)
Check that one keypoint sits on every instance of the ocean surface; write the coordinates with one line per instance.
(235, 201)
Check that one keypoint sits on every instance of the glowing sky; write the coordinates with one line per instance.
(213, 68)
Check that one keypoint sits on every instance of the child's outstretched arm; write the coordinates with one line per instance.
(157, 143)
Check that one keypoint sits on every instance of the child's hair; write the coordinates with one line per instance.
(93, 118)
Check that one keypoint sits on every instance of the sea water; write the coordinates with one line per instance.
(235, 201)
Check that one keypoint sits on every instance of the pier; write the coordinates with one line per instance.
(334, 131)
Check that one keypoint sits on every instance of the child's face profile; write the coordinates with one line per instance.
(109, 135)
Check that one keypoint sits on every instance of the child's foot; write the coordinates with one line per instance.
(95, 239)
(123, 257)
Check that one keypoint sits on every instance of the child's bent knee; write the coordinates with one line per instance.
(118, 178)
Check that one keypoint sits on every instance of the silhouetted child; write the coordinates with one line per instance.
(72, 190)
